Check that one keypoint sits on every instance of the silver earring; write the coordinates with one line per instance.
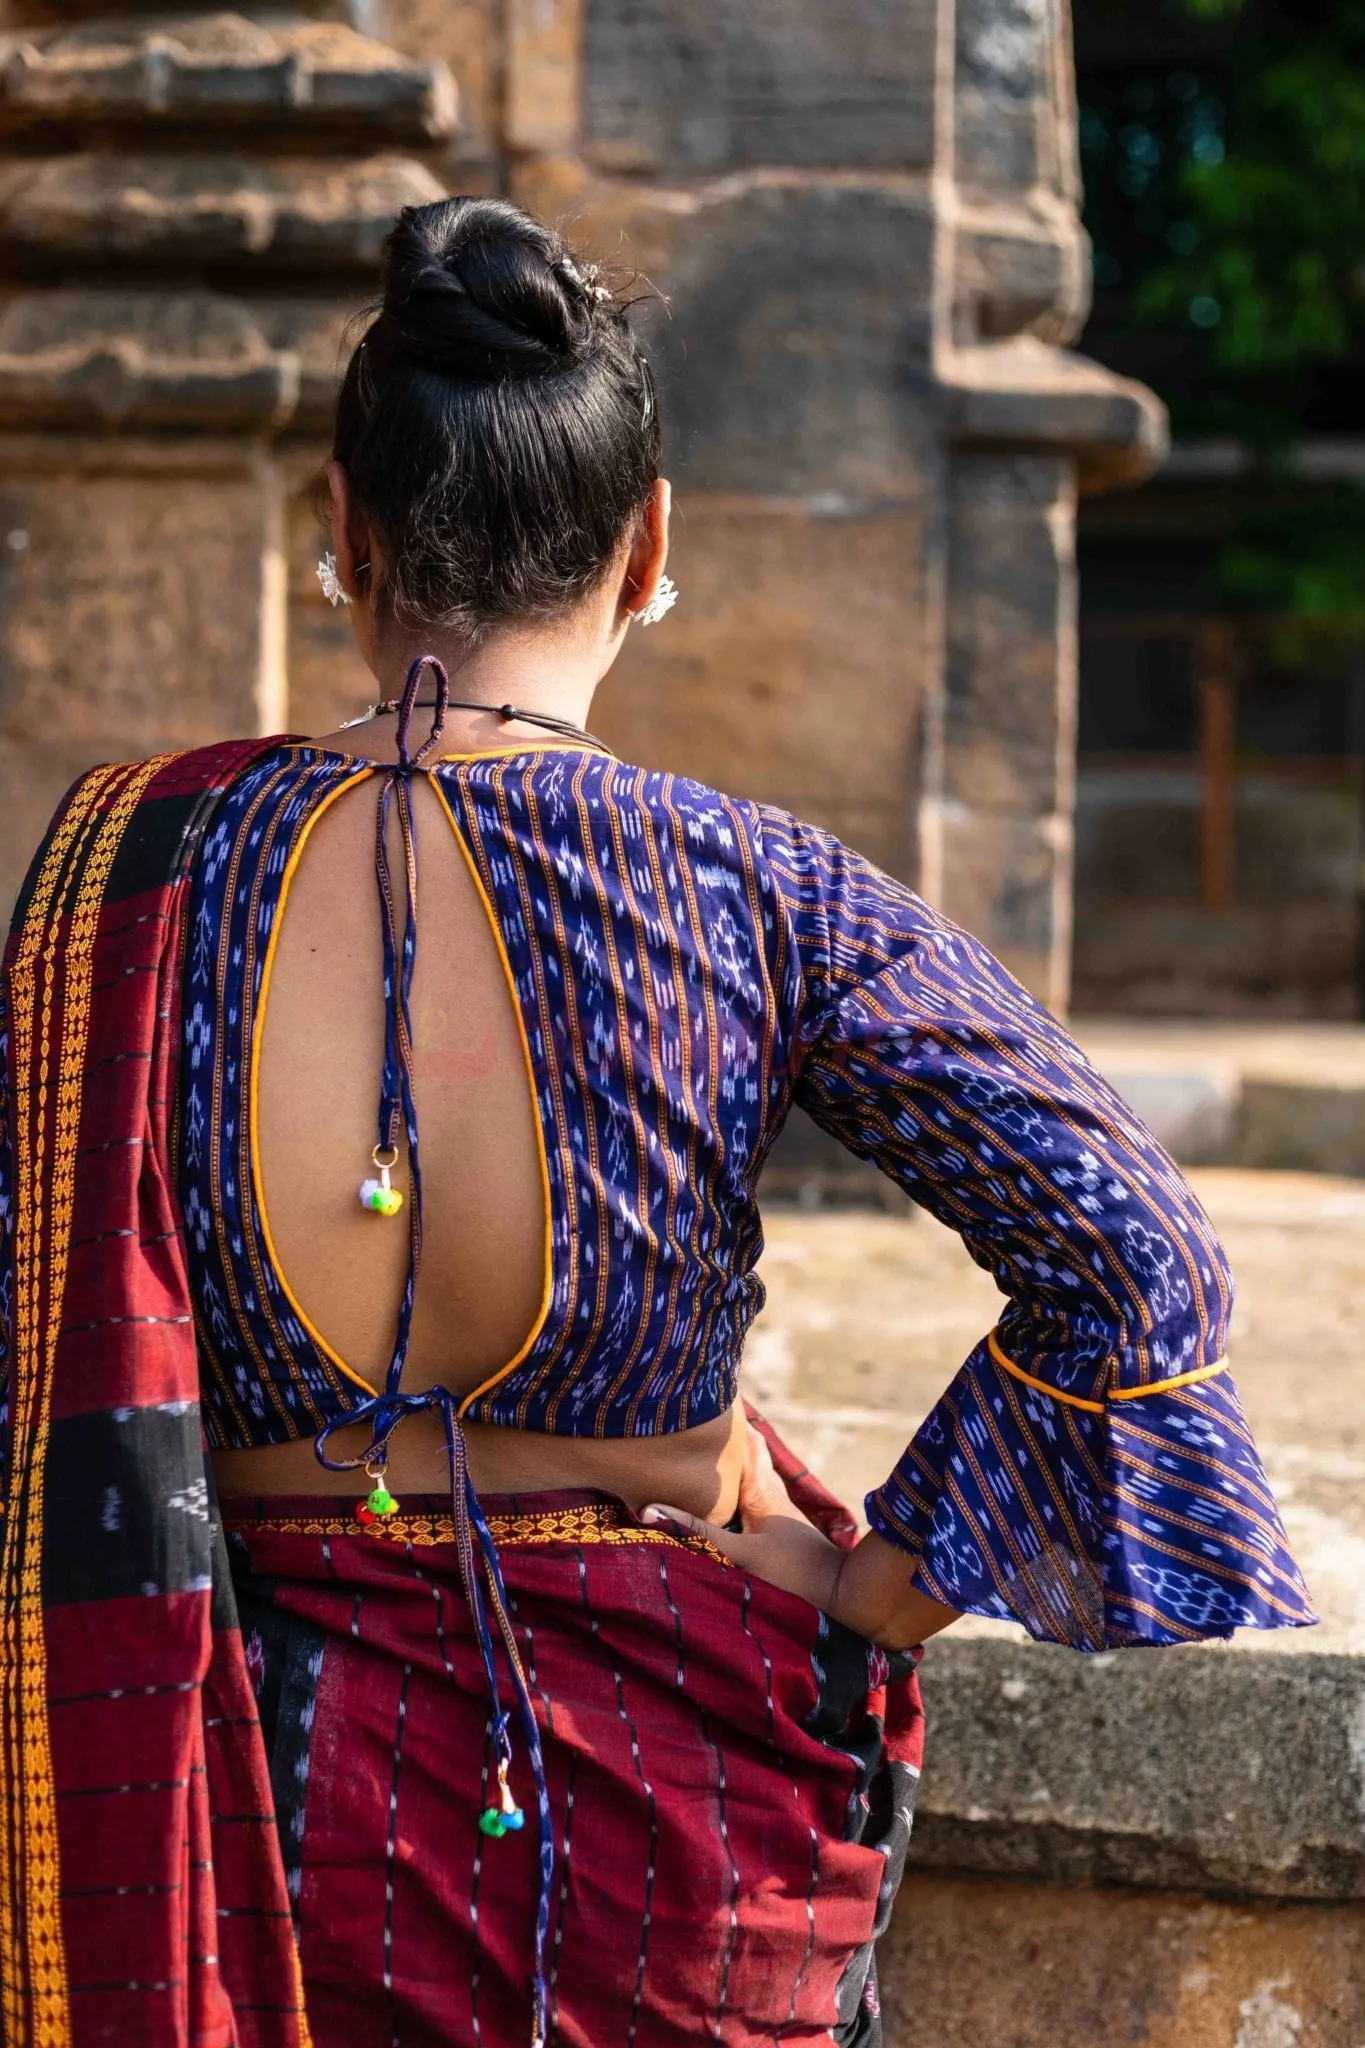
(662, 602)
(330, 581)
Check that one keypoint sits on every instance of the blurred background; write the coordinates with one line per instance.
(1012, 372)
(1221, 789)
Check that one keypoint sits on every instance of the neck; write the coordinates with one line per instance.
(544, 672)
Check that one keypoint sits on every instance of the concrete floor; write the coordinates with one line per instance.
(870, 1315)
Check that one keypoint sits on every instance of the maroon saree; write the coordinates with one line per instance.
(731, 1776)
(205, 1784)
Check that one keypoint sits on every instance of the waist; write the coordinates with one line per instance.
(697, 1470)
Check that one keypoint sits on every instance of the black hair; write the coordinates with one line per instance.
(498, 420)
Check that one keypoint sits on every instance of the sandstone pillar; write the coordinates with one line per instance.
(864, 220)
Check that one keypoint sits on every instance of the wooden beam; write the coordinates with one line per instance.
(1215, 664)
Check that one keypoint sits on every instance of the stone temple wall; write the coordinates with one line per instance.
(862, 215)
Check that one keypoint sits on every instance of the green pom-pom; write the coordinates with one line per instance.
(492, 1823)
(382, 1502)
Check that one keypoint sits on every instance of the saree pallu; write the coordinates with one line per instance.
(731, 1775)
(141, 1894)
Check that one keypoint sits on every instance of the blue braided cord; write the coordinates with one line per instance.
(386, 1410)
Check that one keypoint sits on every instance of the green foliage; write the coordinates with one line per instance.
(1226, 197)
(1225, 194)
(1281, 217)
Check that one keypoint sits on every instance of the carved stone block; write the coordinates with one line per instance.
(224, 67)
(83, 358)
(696, 86)
(132, 610)
(794, 355)
(287, 214)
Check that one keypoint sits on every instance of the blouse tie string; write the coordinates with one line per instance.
(480, 1569)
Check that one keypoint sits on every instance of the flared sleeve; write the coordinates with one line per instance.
(1089, 1472)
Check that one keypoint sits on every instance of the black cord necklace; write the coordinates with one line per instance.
(506, 712)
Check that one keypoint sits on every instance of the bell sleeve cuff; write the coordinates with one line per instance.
(1143, 1517)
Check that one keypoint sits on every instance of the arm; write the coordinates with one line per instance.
(1088, 1472)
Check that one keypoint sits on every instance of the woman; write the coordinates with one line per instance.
(394, 1103)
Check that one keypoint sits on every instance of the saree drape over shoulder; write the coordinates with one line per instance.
(686, 968)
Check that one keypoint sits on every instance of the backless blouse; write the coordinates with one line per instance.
(686, 967)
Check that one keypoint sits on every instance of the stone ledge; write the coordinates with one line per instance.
(224, 69)
(1276, 1096)
(288, 213)
(972, 1963)
(1198, 1770)
(1024, 393)
(147, 359)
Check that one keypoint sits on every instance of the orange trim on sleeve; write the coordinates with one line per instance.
(1071, 1400)
(1181, 1379)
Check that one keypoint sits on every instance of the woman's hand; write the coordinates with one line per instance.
(867, 1588)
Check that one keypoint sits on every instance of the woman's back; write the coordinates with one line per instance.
(320, 1045)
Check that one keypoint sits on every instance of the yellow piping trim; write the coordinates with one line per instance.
(547, 1291)
(505, 747)
(253, 1097)
(1182, 1379)
(1071, 1400)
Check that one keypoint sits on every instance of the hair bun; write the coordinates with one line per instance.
(497, 422)
(473, 288)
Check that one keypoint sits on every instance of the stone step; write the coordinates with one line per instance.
(1286, 1096)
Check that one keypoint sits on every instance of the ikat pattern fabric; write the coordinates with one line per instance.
(687, 968)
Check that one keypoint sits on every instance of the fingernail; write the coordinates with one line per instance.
(655, 1515)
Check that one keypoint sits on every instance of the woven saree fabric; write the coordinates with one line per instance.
(732, 1778)
(688, 968)
(141, 1893)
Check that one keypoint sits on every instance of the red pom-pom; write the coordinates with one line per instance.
(364, 1514)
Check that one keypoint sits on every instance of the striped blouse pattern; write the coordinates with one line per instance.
(688, 967)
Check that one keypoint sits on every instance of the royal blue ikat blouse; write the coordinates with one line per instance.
(688, 967)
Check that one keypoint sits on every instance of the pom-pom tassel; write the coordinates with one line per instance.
(380, 1196)
(506, 1818)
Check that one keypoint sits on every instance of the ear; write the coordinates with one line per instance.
(649, 555)
(352, 542)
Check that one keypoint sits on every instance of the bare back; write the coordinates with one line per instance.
(321, 1050)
